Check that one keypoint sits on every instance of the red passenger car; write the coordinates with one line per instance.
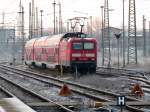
(71, 51)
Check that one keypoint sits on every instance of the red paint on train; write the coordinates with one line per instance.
(71, 50)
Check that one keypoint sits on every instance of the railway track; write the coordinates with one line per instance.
(26, 95)
(77, 88)
(5, 93)
(126, 72)
(141, 76)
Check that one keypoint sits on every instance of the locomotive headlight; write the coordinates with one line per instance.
(76, 55)
(93, 59)
(90, 55)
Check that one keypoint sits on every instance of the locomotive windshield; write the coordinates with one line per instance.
(88, 45)
(82, 45)
(77, 46)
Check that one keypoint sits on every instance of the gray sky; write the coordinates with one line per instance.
(92, 7)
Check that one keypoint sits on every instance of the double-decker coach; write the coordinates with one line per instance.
(71, 51)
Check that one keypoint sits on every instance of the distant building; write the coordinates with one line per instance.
(6, 35)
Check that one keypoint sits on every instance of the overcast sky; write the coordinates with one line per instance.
(92, 7)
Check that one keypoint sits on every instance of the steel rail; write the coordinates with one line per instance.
(85, 88)
(6, 92)
(37, 95)
(129, 71)
(134, 109)
(129, 98)
(57, 82)
(142, 78)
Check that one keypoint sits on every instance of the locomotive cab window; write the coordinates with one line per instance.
(88, 45)
(83, 45)
(77, 46)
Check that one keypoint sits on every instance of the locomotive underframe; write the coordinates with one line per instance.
(82, 66)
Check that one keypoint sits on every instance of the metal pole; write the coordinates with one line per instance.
(121, 109)
(30, 22)
(56, 25)
(13, 47)
(81, 27)
(107, 54)
(72, 26)
(54, 16)
(102, 9)
(23, 42)
(132, 40)
(149, 36)
(144, 36)
(136, 58)
(109, 41)
(123, 38)
(37, 23)
(41, 23)
(87, 27)
(67, 26)
(33, 19)
(91, 24)
(117, 37)
(118, 51)
(60, 19)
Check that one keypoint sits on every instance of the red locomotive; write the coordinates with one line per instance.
(73, 51)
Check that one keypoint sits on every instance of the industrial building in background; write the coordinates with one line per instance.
(6, 35)
(7, 40)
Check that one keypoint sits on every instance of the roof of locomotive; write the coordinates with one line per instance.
(54, 39)
(30, 42)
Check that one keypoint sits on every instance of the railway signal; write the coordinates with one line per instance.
(117, 37)
(121, 102)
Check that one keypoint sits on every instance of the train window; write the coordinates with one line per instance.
(77, 46)
(88, 45)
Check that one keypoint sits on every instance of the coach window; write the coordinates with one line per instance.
(88, 45)
(77, 46)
